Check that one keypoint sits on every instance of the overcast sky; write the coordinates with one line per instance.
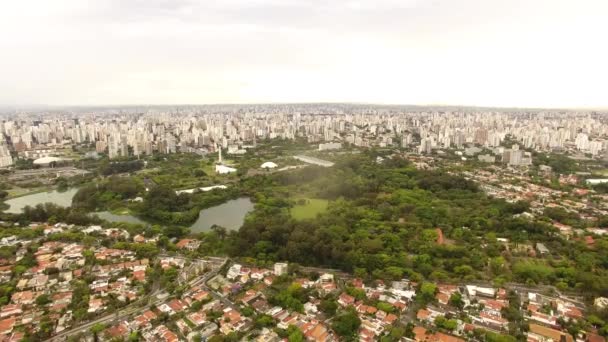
(526, 53)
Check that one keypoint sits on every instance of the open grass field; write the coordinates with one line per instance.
(311, 209)
(601, 172)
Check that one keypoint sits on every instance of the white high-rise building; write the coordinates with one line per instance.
(582, 142)
(5, 156)
(280, 268)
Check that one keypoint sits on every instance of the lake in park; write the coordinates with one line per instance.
(229, 215)
(62, 198)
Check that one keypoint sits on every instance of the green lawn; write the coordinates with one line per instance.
(121, 211)
(601, 172)
(313, 207)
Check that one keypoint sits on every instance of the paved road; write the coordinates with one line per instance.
(105, 319)
(202, 282)
(126, 312)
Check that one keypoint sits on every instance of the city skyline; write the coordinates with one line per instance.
(524, 54)
(83, 108)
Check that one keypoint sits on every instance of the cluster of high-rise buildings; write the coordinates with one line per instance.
(202, 129)
(5, 156)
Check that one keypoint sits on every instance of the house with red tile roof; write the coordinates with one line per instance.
(113, 254)
(198, 318)
(318, 333)
(357, 283)
(188, 244)
(142, 322)
(201, 295)
(366, 335)
(232, 316)
(327, 288)
(419, 333)
(491, 320)
(443, 298)
(400, 305)
(95, 304)
(422, 335)
(249, 296)
(390, 319)
(366, 309)
(24, 297)
(544, 318)
(6, 326)
(139, 276)
(493, 306)
(539, 333)
(182, 326)
(345, 299)
(164, 334)
(423, 315)
(177, 305)
(118, 330)
(10, 310)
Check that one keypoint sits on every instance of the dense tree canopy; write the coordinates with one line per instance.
(383, 221)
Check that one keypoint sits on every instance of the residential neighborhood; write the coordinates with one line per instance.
(68, 285)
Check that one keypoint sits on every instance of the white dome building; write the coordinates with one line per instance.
(269, 165)
(46, 161)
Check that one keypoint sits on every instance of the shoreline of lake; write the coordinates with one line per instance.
(230, 214)
(60, 198)
(33, 192)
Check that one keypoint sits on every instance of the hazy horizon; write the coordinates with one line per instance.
(471, 53)
(4, 108)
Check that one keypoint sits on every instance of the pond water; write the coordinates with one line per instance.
(229, 215)
(62, 198)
